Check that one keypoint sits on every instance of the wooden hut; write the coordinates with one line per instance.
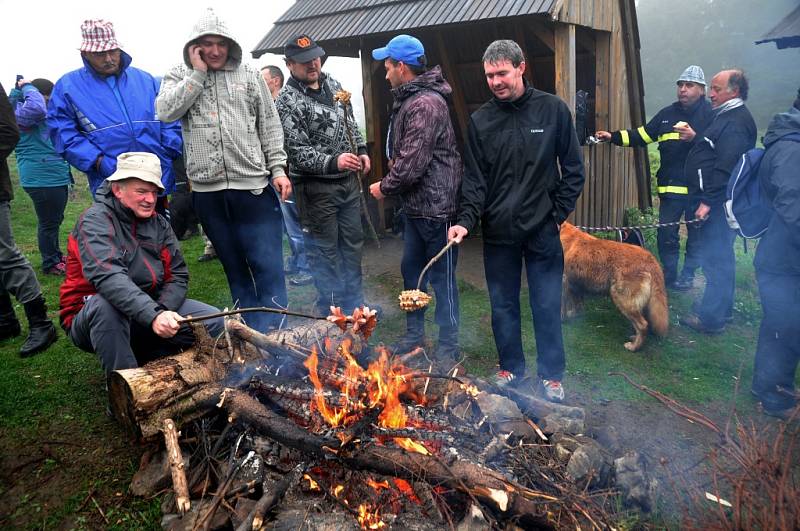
(786, 34)
(569, 45)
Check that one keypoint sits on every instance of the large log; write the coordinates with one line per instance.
(491, 488)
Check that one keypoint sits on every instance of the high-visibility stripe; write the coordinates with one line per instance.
(669, 136)
(673, 190)
(626, 139)
(643, 133)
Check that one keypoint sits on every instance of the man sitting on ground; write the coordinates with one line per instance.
(125, 290)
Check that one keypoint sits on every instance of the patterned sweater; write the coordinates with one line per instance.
(232, 136)
(314, 129)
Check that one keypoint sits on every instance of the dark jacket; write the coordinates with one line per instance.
(512, 160)
(712, 157)
(86, 120)
(673, 152)
(426, 166)
(313, 129)
(779, 249)
(135, 264)
(9, 136)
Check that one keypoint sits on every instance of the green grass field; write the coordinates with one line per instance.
(63, 461)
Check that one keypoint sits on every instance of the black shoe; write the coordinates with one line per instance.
(783, 414)
(42, 333)
(694, 322)
(9, 324)
(683, 284)
(206, 257)
(301, 279)
(407, 343)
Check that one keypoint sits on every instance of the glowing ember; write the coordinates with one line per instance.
(406, 488)
(470, 389)
(369, 519)
(377, 486)
(338, 490)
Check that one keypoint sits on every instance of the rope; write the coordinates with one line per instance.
(609, 228)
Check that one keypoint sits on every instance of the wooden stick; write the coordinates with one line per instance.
(429, 264)
(248, 310)
(175, 456)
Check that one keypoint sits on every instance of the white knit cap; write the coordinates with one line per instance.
(693, 74)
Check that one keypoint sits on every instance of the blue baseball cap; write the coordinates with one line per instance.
(403, 48)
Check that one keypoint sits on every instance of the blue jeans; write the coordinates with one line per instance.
(246, 231)
(49, 203)
(719, 267)
(291, 222)
(778, 350)
(544, 267)
(423, 238)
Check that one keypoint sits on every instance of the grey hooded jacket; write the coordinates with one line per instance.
(232, 135)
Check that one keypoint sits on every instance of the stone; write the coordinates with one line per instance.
(589, 464)
(634, 482)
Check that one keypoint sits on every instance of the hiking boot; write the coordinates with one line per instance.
(407, 343)
(9, 324)
(553, 390)
(58, 270)
(301, 279)
(694, 322)
(447, 349)
(41, 332)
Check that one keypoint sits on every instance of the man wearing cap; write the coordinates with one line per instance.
(126, 282)
(233, 144)
(674, 142)
(711, 159)
(425, 174)
(107, 108)
(324, 172)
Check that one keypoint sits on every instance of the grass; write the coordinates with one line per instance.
(63, 460)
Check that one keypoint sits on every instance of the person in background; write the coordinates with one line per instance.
(523, 173)
(43, 174)
(107, 107)
(693, 108)
(708, 168)
(297, 261)
(778, 267)
(233, 144)
(16, 274)
(325, 173)
(425, 174)
(126, 284)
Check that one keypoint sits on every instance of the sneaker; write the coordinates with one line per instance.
(206, 257)
(503, 379)
(301, 279)
(59, 270)
(553, 390)
(694, 322)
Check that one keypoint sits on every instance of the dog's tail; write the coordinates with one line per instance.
(657, 307)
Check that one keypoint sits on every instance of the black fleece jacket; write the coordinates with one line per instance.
(523, 167)
(9, 136)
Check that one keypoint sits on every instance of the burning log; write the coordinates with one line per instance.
(176, 466)
(483, 484)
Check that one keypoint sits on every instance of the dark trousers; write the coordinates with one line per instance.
(291, 223)
(672, 208)
(246, 231)
(330, 214)
(719, 268)
(49, 203)
(16, 274)
(778, 350)
(122, 343)
(544, 267)
(423, 239)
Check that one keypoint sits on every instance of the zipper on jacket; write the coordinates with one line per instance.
(221, 139)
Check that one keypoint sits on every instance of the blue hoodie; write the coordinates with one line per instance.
(39, 165)
(88, 118)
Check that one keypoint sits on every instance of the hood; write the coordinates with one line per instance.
(781, 125)
(124, 59)
(429, 80)
(211, 24)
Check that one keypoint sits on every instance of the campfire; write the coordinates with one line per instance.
(312, 427)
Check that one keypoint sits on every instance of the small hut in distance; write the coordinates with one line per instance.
(570, 46)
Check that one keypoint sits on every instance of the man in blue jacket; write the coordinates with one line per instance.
(107, 108)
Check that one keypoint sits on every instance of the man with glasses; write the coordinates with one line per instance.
(106, 108)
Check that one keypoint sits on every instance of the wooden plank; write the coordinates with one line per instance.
(460, 104)
(565, 63)
(603, 96)
(523, 43)
(373, 123)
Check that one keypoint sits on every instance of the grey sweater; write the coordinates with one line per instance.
(232, 135)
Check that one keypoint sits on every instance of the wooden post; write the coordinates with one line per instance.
(565, 63)
(459, 102)
(602, 188)
(179, 483)
(372, 112)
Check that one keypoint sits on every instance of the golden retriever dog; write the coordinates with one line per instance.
(629, 274)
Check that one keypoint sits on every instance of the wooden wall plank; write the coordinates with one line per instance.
(565, 63)
(460, 104)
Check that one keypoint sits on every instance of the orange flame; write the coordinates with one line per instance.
(377, 486)
(338, 490)
(312, 485)
(367, 519)
(406, 488)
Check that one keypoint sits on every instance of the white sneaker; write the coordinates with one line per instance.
(553, 390)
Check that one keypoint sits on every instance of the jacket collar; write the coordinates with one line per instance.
(125, 61)
(511, 105)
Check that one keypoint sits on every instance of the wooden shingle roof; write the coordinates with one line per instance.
(346, 20)
(787, 33)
